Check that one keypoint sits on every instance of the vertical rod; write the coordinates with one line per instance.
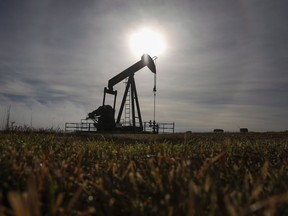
(154, 90)
(133, 104)
(154, 114)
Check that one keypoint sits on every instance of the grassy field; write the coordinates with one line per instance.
(179, 174)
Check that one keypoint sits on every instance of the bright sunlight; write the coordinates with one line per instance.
(147, 41)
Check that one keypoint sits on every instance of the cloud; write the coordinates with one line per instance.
(38, 115)
(225, 62)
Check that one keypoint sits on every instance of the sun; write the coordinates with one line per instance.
(148, 41)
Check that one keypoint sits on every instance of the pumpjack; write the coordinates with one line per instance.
(103, 117)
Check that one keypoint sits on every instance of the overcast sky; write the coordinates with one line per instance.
(225, 64)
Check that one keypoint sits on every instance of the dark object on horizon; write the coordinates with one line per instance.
(218, 130)
(103, 117)
(244, 130)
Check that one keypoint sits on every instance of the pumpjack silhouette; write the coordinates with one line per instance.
(103, 117)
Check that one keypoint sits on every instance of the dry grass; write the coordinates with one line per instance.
(194, 174)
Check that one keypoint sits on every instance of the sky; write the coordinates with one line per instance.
(225, 64)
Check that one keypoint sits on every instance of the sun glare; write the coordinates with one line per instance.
(147, 41)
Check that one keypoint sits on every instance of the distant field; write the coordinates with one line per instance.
(175, 174)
